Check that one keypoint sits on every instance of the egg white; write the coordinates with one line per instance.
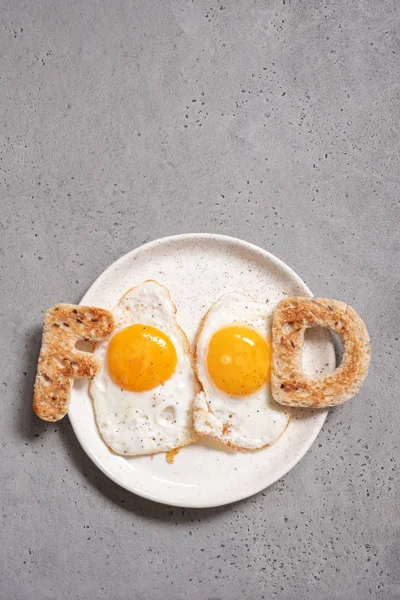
(247, 422)
(157, 420)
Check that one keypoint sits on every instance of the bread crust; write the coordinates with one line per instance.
(59, 361)
(290, 386)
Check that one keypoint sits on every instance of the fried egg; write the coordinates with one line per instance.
(143, 395)
(233, 364)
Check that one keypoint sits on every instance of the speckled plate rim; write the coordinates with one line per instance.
(263, 482)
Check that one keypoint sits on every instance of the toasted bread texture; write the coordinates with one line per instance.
(60, 362)
(290, 386)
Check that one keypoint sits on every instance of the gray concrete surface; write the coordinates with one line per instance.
(274, 121)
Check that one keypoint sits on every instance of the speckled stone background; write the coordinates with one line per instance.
(274, 121)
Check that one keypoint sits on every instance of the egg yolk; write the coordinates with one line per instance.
(141, 357)
(238, 360)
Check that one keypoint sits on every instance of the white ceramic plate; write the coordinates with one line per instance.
(198, 269)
